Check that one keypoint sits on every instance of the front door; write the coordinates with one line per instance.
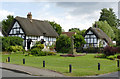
(28, 43)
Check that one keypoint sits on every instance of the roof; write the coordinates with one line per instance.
(69, 33)
(35, 27)
(100, 34)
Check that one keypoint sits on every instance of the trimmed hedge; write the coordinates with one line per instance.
(89, 50)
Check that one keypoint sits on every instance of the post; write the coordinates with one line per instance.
(117, 63)
(43, 63)
(23, 60)
(98, 66)
(70, 68)
(8, 59)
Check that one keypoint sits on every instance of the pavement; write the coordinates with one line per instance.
(31, 70)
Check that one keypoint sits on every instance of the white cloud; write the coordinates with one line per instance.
(4, 14)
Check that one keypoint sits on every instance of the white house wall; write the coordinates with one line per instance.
(90, 39)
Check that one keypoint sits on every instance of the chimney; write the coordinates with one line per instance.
(29, 16)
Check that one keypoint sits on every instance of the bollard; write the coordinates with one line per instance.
(8, 59)
(98, 66)
(43, 63)
(70, 68)
(23, 61)
(117, 63)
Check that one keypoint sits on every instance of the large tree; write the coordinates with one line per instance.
(6, 22)
(56, 26)
(105, 27)
(109, 16)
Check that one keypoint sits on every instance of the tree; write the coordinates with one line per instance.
(79, 40)
(109, 16)
(6, 23)
(77, 30)
(105, 27)
(63, 44)
(57, 27)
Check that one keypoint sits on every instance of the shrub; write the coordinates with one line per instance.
(51, 53)
(109, 50)
(39, 46)
(38, 52)
(15, 48)
(11, 41)
(92, 50)
(35, 51)
(63, 44)
(111, 57)
(100, 56)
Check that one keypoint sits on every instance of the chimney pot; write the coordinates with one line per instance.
(29, 16)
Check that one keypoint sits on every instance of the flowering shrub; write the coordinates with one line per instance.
(51, 53)
(38, 52)
(15, 48)
(108, 50)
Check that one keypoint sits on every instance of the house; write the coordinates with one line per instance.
(32, 30)
(95, 37)
(69, 34)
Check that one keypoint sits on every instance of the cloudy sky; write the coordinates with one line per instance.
(68, 14)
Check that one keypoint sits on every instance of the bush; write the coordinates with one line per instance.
(109, 50)
(111, 57)
(11, 41)
(15, 48)
(51, 53)
(39, 46)
(63, 44)
(100, 56)
(35, 51)
(91, 50)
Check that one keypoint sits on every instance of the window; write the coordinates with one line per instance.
(17, 32)
(91, 40)
(95, 40)
(21, 31)
(88, 41)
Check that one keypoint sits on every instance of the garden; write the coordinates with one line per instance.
(86, 65)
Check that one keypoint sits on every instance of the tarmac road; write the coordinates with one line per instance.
(9, 73)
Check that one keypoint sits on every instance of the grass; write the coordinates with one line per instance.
(81, 66)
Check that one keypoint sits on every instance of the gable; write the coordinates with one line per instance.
(16, 29)
(90, 32)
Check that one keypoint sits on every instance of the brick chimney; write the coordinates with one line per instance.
(29, 16)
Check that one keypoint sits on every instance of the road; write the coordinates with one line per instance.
(9, 73)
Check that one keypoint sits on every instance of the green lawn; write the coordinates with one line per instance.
(82, 65)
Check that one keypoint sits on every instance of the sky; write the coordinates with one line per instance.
(68, 14)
